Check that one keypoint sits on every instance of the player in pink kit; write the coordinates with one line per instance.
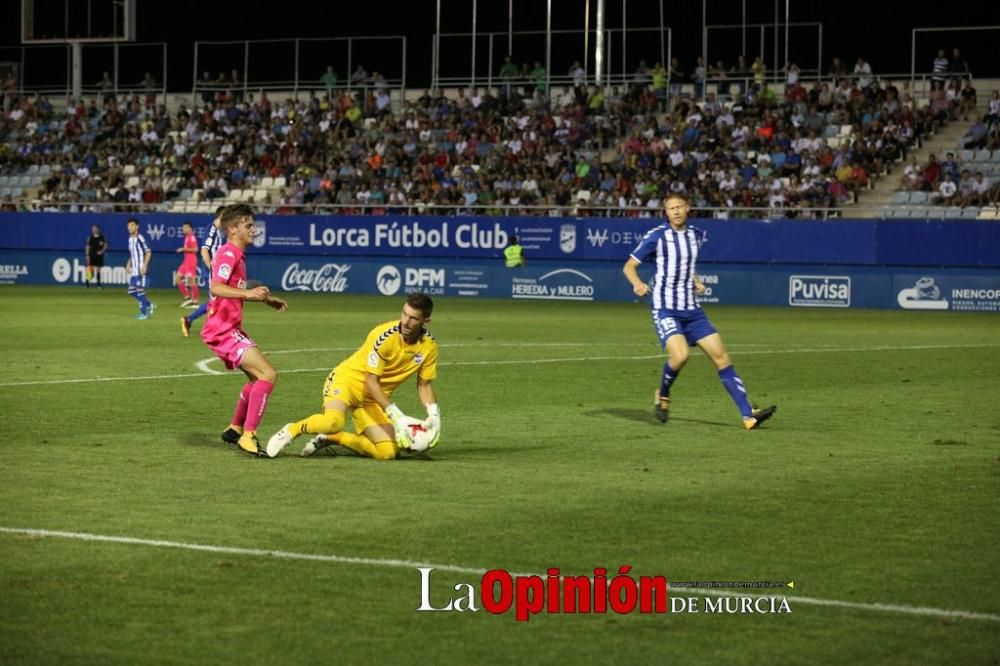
(223, 331)
(187, 274)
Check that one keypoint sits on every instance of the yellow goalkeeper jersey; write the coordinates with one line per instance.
(385, 354)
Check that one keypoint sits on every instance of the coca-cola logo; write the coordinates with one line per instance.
(327, 278)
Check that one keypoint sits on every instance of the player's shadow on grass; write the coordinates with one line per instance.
(646, 416)
(205, 441)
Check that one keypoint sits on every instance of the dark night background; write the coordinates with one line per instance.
(878, 31)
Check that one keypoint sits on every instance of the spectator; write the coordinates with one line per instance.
(699, 76)
(107, 88)
(360, 79)
(837, 71)
(940, 68)
(932, 174)
(759, 70)
(863, 74)
(740, 71)
(539, 77)
(993, 111)
(958, 67)
(676, 76)
(508, 72)
(947, 193)
(976, 137)
(149, 86)
(968, 99)
(329, 81)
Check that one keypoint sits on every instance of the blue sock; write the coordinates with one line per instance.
(669, 375)
(136, 296)
(734, 385)
(143, 301)
(199, 312)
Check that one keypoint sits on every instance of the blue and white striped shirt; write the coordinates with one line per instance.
(137, 248)
(212, 241)
(675, 254)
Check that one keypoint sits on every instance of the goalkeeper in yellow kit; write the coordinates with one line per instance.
(364, 384)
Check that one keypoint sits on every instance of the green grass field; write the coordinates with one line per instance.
(876, 488)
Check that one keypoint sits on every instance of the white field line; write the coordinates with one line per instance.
(208, 372)
(901, 609)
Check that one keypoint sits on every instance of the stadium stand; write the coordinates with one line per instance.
(581, 151)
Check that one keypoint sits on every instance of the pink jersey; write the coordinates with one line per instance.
(190, 261)
(225, 314)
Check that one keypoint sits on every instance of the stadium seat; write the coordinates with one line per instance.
(132, 182)
(279, 182)
(260, 195)
(4, 181)
(845, 130)
(966, 155)
(988, 214)
(970, 213)
(45, 170)
(901, 198)
(267, 182)
(185, 194)
(982, 156)
(247, 195)
(128, 170)
(918, 197)
(33, 169)
(952, 213)
(197, 195)
(234, 196)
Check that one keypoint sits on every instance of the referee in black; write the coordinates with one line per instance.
(97, 245)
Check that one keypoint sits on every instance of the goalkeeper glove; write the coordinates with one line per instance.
(433, 422)
(400, 422)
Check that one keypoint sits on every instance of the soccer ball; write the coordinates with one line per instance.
(419, 436)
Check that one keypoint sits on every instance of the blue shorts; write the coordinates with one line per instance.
(692, 324)
(137, 283)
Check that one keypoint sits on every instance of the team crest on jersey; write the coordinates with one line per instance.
(336, 391)
(373, 359)
(418, 358)
(225, 270)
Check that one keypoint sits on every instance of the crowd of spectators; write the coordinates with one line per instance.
(517, 150)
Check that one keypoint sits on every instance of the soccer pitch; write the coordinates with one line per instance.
(875, 488)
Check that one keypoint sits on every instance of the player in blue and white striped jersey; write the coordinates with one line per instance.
(139, 256)
(677, 317)
(213, 241)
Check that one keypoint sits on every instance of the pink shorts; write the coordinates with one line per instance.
(230, 346)
(188, 270)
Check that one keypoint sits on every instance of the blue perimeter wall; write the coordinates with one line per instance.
(953, 265)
